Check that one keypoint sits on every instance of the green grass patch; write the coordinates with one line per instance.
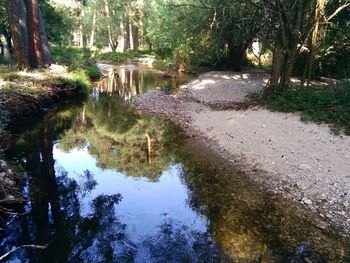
(315, 103)
(77, 78)
(11, 88)
(10, 76)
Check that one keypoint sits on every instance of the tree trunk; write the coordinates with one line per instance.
(5, 50)
(16, 13)
(135, 37)
(113, 44)
(45, 47)
(81, 30)
(35, 52)
(277, 62)
(92, 35)
(121, 37)
(127, 33)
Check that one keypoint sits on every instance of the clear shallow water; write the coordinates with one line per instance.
(105, 184)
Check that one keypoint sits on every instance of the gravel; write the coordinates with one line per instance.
(302, 161)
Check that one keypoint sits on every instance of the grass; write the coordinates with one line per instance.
(315, 103)
(10, 76)
(77, 78)
(12, 88)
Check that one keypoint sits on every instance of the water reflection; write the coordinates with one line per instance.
(129, 81)
(104, 184)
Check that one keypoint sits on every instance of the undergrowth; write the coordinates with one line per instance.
(321, 104)
(11, 88)
(77, 78)
(77, 59)
(119, 57)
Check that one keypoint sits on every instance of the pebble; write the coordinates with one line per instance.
(3, 164)
(304, 167)
(10, 197)
(9, 182)
(2, 175)
(306, 201)
(9, 172)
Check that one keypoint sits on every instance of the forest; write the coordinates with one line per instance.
(307, 39)
(175, 130)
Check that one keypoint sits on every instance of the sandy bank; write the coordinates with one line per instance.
(302, 161)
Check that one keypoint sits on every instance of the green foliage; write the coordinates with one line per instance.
(315, 103)
(92, 71)
(120, 57)
(76, 59)
(4, 61)
(60, 21)
(72, 57)
(77, 78)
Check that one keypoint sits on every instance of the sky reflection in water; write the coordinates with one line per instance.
(105, 184)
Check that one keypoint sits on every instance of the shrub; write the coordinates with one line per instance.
(320, 104)
(92, 71)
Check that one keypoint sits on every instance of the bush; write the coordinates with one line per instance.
(92, 71)
(121, 57)
(72, 57)
(77, 78)
(315, 103)
(76, 59)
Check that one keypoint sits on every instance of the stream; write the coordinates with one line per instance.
(104, 183)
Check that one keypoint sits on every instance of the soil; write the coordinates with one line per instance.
(304, 162)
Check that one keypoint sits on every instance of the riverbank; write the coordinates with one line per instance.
(301, 161)
(24, 94)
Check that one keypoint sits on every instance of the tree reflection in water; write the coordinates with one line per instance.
(216, 214)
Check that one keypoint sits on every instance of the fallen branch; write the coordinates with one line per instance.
(6, 255)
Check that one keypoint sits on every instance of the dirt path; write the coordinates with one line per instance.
(302, 161)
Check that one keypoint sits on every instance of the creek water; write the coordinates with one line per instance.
(104, 183)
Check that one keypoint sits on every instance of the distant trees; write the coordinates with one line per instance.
(29, 38)
(299, 33)
(220, 33)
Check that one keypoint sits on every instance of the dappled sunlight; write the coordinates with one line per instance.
(226, 87)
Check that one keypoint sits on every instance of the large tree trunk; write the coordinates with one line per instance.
(16, 13)
(45, 47)
(34, 37)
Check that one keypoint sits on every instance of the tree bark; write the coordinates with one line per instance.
(16, 13)
(45, 47)
(113, 44)
(93, 28)
(126, 32)
(34, 37)
(276, 63)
